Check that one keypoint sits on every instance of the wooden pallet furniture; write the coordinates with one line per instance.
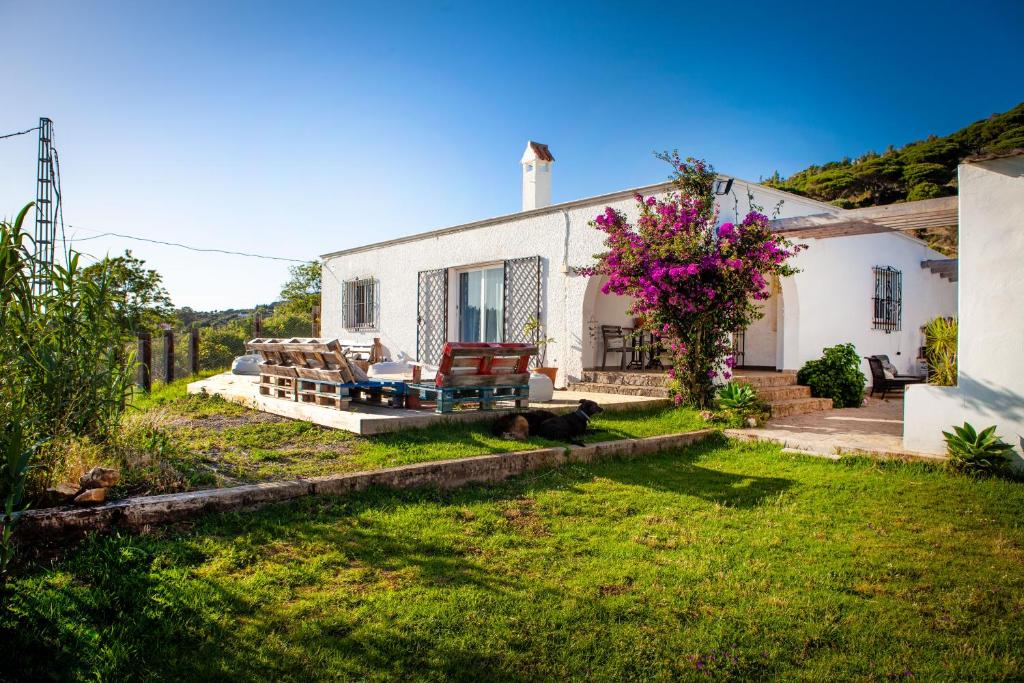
(318, 371)
(478, 372)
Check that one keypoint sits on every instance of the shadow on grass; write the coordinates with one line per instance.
(194, 604)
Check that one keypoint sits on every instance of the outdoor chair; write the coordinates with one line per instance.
(614, 341)
(883, 384)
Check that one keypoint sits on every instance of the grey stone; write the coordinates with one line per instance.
(61, 494)
(100, 478)
(91, 497)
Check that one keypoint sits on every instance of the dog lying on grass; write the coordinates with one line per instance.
(544, 423)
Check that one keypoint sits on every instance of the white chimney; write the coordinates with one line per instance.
(537, 162)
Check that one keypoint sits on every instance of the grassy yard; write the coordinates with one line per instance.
(721, 561)
(205, 441)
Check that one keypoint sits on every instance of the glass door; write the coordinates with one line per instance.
(482, 305)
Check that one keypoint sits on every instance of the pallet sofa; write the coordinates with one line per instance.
(318, 371)
(477, 372)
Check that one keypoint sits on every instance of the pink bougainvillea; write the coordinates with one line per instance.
(693, 281)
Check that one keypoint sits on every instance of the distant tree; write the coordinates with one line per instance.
(919, 170)
(142, 301)
(302, 290)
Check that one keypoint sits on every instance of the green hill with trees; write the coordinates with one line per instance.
(919, 170)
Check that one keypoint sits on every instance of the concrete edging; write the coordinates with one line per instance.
(837, 452)
(142, 512)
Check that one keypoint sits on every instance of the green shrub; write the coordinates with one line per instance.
(65, 371)
(974, 452)
(940, 347)
(836, 375)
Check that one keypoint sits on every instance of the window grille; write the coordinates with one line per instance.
(888, 299)
(360, 299)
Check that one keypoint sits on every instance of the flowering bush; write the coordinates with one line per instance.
(693, 281)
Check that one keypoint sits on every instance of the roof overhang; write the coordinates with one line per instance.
(926, 213)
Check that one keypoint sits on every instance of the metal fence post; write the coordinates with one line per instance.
(168, 356)
(145, 373)
(193, 349)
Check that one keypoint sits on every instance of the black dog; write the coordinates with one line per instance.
(520, 425)
(544, 423)
(570, 427)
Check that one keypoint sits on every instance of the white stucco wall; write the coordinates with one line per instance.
(834, 289)
(828, 303)
(990, 383)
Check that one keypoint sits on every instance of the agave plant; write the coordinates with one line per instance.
(977, 452)
(740, 398)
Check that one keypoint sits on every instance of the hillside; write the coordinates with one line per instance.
(919, 170)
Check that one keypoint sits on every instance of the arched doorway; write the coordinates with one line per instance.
(601, 309)
(769, 343)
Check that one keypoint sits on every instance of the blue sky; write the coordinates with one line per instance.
(296, 129)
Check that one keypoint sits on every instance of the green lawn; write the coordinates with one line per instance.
(211, 442)
(720, 561)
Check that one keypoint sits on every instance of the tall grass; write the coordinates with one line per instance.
(940, 350)
(63, 369)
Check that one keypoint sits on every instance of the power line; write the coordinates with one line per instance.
(177, 244)
(20, 132)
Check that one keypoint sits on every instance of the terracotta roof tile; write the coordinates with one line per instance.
(542, 151)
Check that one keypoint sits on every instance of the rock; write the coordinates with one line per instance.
(751, 422)
(91, 496)
(100, 477)
(61, 494)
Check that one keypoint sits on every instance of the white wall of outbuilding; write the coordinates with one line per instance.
(990, 381)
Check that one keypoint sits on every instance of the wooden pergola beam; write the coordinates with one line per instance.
(926, 213)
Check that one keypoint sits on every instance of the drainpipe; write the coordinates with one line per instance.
(566, 273)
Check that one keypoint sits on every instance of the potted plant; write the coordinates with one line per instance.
(533, 329)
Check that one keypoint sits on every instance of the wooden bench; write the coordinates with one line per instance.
(317, 371)
(478, 372)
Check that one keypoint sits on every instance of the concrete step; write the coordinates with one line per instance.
(625, 377)
(783, 393)
(621, 389)
(799, 406)
(775, 379)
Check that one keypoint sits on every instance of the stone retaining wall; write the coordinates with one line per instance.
(138, 514)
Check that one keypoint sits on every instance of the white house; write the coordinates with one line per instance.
(990, 368)
(483, 281)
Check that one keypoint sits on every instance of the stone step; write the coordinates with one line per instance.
(799, 406)
(621, 389)
(783, 393)
(625, 377)
(775, 379)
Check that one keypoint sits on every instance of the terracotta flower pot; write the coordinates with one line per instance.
(550, 372)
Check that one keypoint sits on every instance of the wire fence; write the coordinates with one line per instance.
(167, 356)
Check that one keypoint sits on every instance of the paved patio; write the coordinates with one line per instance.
(874, 429)
(366, 419)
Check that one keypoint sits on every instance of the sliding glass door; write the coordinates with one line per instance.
(482, 305)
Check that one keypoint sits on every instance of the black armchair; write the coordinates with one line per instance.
(879, 382)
